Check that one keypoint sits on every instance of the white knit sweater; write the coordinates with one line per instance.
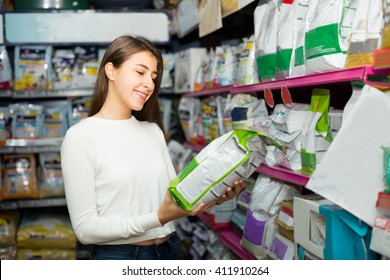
(116, 174)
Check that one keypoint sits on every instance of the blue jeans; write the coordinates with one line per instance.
(168, 250)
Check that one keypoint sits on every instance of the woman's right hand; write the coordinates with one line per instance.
(169, 210)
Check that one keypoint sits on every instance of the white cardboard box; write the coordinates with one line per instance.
(309, 224)
(380, 239)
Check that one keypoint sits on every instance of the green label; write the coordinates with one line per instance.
(320, 100)
(322, 41)
(299, 56)
(308, 162)
(266, 65)
(283, 58)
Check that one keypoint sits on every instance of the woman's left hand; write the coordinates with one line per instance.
(231, 192)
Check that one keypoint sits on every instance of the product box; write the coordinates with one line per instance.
(285, 220)
(281, 248)
(380, 240)
(220, 215)
(309, 224)
(187, 66)
(347, 237)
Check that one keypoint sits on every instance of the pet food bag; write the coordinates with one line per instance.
(232, 156)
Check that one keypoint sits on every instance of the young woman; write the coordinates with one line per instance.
(116, 165)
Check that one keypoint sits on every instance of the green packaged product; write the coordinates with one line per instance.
(228, 158)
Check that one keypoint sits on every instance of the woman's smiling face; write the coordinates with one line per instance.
(133, 82)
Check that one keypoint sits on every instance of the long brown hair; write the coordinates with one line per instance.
(117, 53)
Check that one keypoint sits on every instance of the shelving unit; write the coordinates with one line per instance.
(31, 145)
(61, 29)
(232, 240)
(32, 203)
(31, 94)
(82, 26)
(89, 27)
(283, 174)
(13, 146)
(364, 74)
(210, 91)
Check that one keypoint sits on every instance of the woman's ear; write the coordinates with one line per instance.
(110, 71)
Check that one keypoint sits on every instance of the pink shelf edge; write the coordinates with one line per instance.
(337, 76)
(232, 240)
(284, 174)
(203, 217)
(208, 91)
(343, 75)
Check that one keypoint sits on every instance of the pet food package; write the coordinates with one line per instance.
(232, 156)
(86, 67)
(297, 66)
(32, 67)
(285, 38)
(55, 123)
(187, 63)
(5, 70)
(9, 222)
(52, 184)
(247, 72)
(27, 120)
(266, 17)
(79, 109)
(365, 35)
(19, 179)
(63, 64)
(168, 70)
(45, 230)
(328, 27)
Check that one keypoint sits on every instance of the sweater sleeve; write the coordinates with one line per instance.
(78, 168)
(167, 157)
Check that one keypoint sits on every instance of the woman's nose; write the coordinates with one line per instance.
(149, 83)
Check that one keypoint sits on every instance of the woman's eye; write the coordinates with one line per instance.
(140, 72)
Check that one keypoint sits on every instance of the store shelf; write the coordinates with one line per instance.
(32, 94)
(204, 218)
(23, 150)
(31, 145)
(284, 174)
(367, 74)
(83, 26)
(52, 93)
(339, 76)
(39, 142)
(232, 240)
(208, 92)
(5, 93)
(32, 203)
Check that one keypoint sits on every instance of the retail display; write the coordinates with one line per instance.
(288, 209)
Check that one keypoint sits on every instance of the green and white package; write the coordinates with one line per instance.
(316, 122)
(228, 158)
